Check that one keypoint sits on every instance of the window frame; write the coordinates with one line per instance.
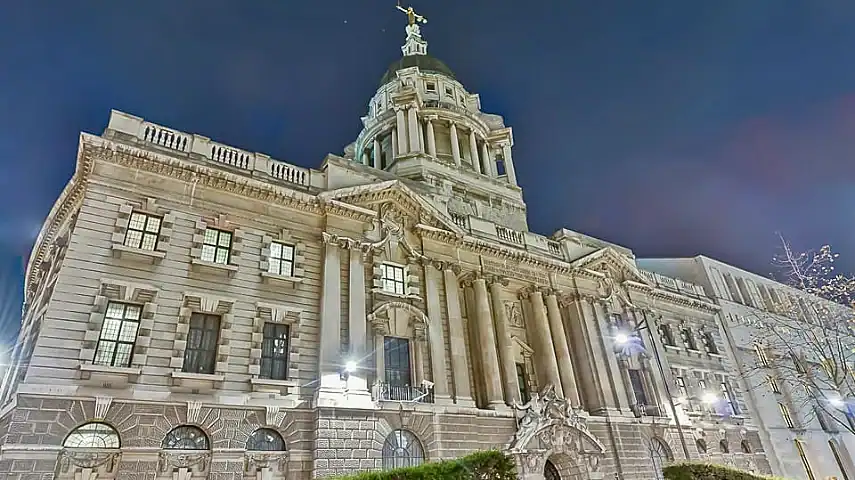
(143, 231)
(105, 428)
(273, 441)
(786, 415)
(216, 246)
(689, 339)
(385, 269)
(274, 360)
(522, 380)
(281, 260)
(122, 321)
(393, 448)
(667, 335)
(729, 398)
(709, 343)
(186, 428)
(400, 376)
(206, 329)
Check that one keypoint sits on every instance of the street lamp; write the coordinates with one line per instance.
(623, 338)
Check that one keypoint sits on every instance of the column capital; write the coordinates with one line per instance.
(549, 292)
(431, 118)
(527, 291)
(498, 280)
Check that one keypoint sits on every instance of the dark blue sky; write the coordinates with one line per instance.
(673, 127)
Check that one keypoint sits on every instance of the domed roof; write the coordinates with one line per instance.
(426, 63)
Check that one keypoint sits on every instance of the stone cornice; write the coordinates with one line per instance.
(671, 297)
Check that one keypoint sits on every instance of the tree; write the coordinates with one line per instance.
(804, 342)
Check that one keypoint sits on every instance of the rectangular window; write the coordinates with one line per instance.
(449, 92)
(709, 343)
(801, 449)
(281, 261)
(689, 339)
(762, 359)
(274, 351)
(118, 334)
(430, 86)
(396, 359)
(773, 384)
(667, 335)
(143, 230)
(522, 379)
(729, 398)
(393, 279)
(681, 387)
(637, 382)
(785, 413)
(201, 353)
(797, 362)
(217, 246)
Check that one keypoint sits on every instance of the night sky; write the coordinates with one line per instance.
(672, 127)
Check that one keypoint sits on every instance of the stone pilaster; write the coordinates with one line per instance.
(401, 128)
(562, 350)
(457, 339)
(431, 137)
(506, 349)
(489, 168)
(546, 361)
(357, 382)
(455, 144)
(487, 341)
(328, 356)
(598, 390)
(395, 151)
(413, 124)
(436, 336)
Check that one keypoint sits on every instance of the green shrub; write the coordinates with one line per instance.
(706, 471)
(488, 465)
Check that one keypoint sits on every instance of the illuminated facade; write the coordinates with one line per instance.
(194, 310)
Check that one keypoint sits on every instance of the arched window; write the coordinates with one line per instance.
(746, 446)
(186, 437)
(660, 454)
(93, 435)
(702, 445)
(265, 440)
(550, 472)
(402, 449)
(723, 446)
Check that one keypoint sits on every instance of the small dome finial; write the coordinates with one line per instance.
(415, 44)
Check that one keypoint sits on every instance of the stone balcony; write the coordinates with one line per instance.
(135, 130)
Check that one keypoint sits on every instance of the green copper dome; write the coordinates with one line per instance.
(426, 63)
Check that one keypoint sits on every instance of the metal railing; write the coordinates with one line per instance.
(401, 393)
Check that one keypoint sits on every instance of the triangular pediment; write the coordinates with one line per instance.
(613, 264)
(394, 194)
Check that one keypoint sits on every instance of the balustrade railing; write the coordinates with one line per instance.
(554, 247)
(289, 173)
(165, 137)
(510, 236)
(401, 393)
(459, 220)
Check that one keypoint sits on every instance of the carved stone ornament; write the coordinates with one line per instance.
(515, 317)
(195, 460)
(277, 461)
(612, 289)
(547, 425)
(85, 458)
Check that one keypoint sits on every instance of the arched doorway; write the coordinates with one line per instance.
(550, 472)
(660, 455)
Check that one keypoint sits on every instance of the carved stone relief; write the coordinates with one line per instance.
(514, 313)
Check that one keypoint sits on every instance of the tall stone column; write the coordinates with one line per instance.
(377, 152)
(620, 394)
(329, 365)
(562, 349)
(488, 167)
(357, 323)
(431, 137)
(473, 152)
(436, 336)
(509, 164)
(395, 151)
(457, 339)
(455, 144)
(401, 127)
(545, 354)
(503, 337)
(595, 386)
(413, 121)
(487, 341)
(364, 159)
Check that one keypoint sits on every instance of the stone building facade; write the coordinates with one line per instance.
(799, 439)
(194, 310)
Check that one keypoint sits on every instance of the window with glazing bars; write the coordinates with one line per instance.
(217, 246)
(689, 339)
(281, 261)
(773, 384)
(396, 357)
(637, 382)
(785, 413)
(200, 355)
(667, 335)
(274, 351)
(393, 279)
(709, 343)
(118, 335)
(728, 397)
(143, 230)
